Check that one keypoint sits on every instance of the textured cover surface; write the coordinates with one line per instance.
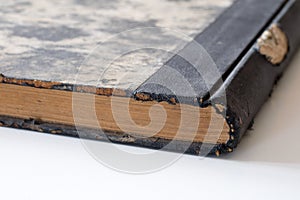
(48, 40)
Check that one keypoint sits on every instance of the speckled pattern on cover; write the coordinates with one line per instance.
(49, 40)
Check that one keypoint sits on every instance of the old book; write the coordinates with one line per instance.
(185, 76)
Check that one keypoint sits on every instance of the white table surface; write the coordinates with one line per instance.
(266, 165)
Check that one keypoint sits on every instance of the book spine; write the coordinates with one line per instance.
(251, 83)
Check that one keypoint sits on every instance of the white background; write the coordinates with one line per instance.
(266, 165)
